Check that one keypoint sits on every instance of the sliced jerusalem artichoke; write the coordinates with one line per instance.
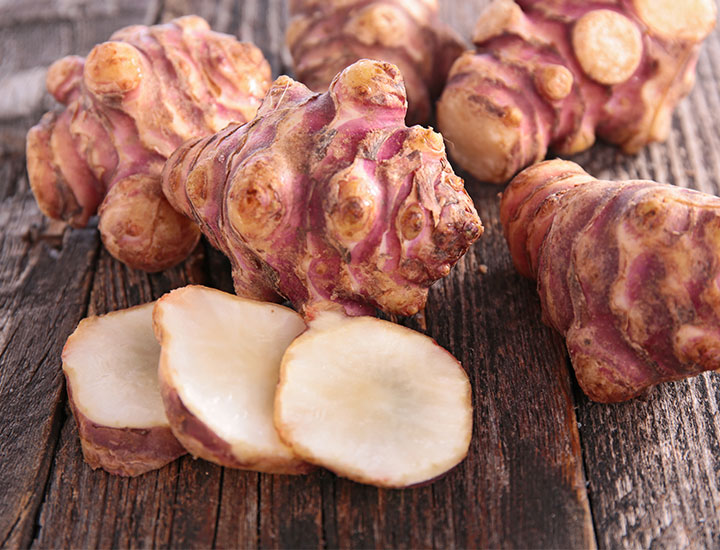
(218, 371)
(373, 401)
(110, 363)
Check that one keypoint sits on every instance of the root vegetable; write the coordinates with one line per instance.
(329, 199)
(218, 371)
(110, 364)
(326, 36)
(549, 74)
(373, 401)
(627, 271)
(130, 104)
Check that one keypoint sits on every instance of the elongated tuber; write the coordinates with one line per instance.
(130, 104)
(329, 199)
(325, 36)
(554, 74)
(110, 364)
(218, 370)
(627, 271)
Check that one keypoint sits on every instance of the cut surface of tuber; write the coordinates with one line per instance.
(373, 401)
(110, 363)
(218, 371)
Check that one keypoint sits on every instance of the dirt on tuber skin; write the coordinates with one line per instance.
(129, 105)
(554, 74)
(627, 271)
(329, 199)
(325, 36)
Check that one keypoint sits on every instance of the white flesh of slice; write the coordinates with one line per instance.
(373, 401)
(222, 354)
(111, 366)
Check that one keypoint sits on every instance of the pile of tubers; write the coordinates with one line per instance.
(322, 196)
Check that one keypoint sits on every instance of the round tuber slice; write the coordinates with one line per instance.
(110, 363)
(218, 370)
(373, 401)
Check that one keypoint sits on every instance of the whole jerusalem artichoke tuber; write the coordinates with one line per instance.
(329, 199)
(627, 271)
(326, 36)
(130, 104)
(553, 74)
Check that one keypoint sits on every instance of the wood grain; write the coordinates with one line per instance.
(546, 468)
(46, 276)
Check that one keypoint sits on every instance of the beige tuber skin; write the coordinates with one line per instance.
(130, 104)
(554, 74)
(325, 36)
(627, 271)
(329, 199)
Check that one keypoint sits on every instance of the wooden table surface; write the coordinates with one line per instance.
(547, 468)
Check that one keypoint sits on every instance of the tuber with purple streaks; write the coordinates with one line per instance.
(554, 74)
(325, 36)
(329, 199)
(129, 105)
(628, 271)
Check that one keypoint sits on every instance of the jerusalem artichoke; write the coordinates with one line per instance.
(218, 370)
(326, 36)
(627, 271)
(551, 73)
(329, 199)
(110, 364)
(130, 103)
(373, 401)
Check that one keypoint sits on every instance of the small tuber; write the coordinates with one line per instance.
(329, 199)
(627, 271)
(218, 370)
(110, 364)
(325, 36)
(553, 74)
(130, 104)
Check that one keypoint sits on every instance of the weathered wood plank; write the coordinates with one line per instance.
(45, 274)
(35, 34)
(172, 506)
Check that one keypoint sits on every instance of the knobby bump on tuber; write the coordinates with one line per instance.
(129, 105)
(627, 271)
(325, 36)
(554, 74)
(329, 199)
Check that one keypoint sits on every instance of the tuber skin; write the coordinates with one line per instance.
(329, 199)
(325, 36)
(129, 105)
(628, 271)
(110, 365)
(554, 74)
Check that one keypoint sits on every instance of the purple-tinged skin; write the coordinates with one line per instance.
(628, 271)
(324, 37)
(125, 451)
(554, 74)
(329, 200)
(129, 105)
(202, 442)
